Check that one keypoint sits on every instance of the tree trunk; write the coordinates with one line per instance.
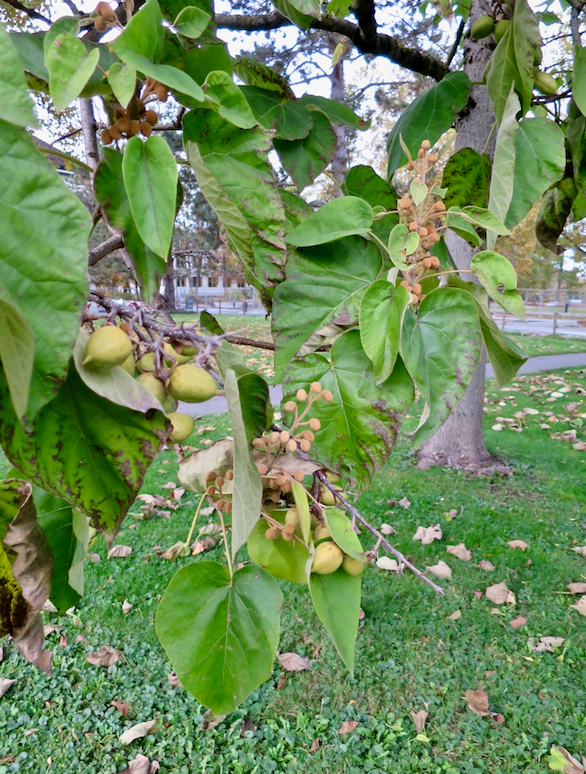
(459, 443)
(339, 164)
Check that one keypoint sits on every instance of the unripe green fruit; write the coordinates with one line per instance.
(189, 350)
(328, 557)
(352, 566)
(326, 496)
(128, 365)
(153, 385)
(192, 384)
(568, 188)
(147, 361)
(545, 83)
(107, 347)
(181, 357)
(482, 28)
(292, 517)
(500, 28)
(182, 426)
(321, 532)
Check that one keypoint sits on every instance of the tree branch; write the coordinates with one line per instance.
(365, 15)
(29, 11)
(88, 129)
(575, 24)
(366, 41)
(115, 242)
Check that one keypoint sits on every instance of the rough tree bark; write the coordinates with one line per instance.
(459, 443)
(339, 164)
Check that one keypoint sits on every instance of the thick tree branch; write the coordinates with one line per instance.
(364, 11)
(29, 11)
(366, 41)
(115, 242)
(89, 132)
(575, 24)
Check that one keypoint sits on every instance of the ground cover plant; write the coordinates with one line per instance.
(414, 653)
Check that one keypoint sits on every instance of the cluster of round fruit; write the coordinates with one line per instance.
(111, 347)
(126, 126)
(105, 17)
(215, 483)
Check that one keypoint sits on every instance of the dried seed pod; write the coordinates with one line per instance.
(298, 475)
(219, 482)
(146, 129)
(115, 133)
(405, 284)
(210, 475)
(301, 396)
(272, 533)
(275, 497)
(417, 288)
(304, 445)
(435, 264)
(426, 145)
(262, 469)
(413, 226)
(409, 165)
(161, 92)
(308, 435)
(287, 536)
(327, 396)
(104, 10)
(211, 490)
(151, 117)
(314, 424)
(123, 124)
(106, 137)
(439, 207)
(281, 480)
(415, 299)
(426, 263)
(432, 158)
(274, 437)
(228, 506)
(315, 387)
(290, 406)
(229, 475)
(435, 237)
(289, 529)
(257, 443)
(221, 504)
(100, 24)
(291, 445)
(134, 128)
(284, 436)
(423, 232)
(404, 203)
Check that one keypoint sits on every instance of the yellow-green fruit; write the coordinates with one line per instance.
(328, 557)
(192, 384)
(153, 385)
(182, 426)
(545, 83)
(107, 347)
(181, 357)
(189, 350)
(500, 28)
(326, 496)
(352, 566)
(292, 517)
(482, 28)
(147, 361)
(128, 365)
(568, 188)
(321, 532)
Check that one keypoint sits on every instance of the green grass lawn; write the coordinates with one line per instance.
(547, 345)
(410, 655)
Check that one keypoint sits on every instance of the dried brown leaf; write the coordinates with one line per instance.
(348, 726)
(484, 564)
(178, 493)
(122, 707)
(126, 607)
(580, 605)
(521, 544)
(200, 546)
(173, 680)
(137, 731)
(518, 622)
(105, 656)
(478, 702)
(577, 588)
(219, 457)
(247, 725)
(499, 594)
(460, 551)
(174, 551)
(119, 552)
(5, 684)
(405, 503)
(386, 563)
(210, 720)
(579, 446)
(314, 746)
(420, 719)
(210, 529)
(440, 570)
(93, 557)
(545, 644)
(455, 616)
(292, 662)
(168, 485)
(386, 529)
(580, 550)
(428, 534)
(141, 764)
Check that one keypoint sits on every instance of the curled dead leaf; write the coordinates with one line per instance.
(173, 680)
(386, 563)
(122, 707)
(5, 684)
(292, 662)
(484, 564)
(544, 644)
(460, 551)
(348, 726)
(174, 551)
(518, 622)
(126, 607)
(499, 594)
(200, 546)
(404, 502)
(576, 588)
(520, 544)
(104, 656)
(314, 746)
(455, 616)
(142, 765)
(386, 529)
(478, 702)
(210, 720)
(119, 552)
(580, 550)
(428, 534)
(440, 570)
(420, 719)
(210, 529)
(137, 731)
(93, 557)
(561, 760)
(580, 605)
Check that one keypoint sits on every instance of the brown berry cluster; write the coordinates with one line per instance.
(105, 17)
(425, 219)
(137, 118)
(215, 483)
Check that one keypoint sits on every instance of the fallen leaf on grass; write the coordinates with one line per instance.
(174, 551)
(142, 765)
(122, 707)
(386, 529)
(126, 607)
(178, 493)
(5, 684)
(173, 680)
(94, 557)
(386, 563)
(521, 544)
(169, 485)
(579, 446)
(440, 570)
(577, 588)
(420, 719)
(105, 656)
(348, 726)
(517, 623)
(202, 545)
(545, 644)
(137, 731)
(499, 594)
(404, 502)
(580, 550)
(50, 628)
(314, 746)
(210, 529)
(484, 564)
(428, 534)
(292, 662)
(210, 720)
(478, 704)
(247, 725)
(119, 552)
(460, 551)
(561, 760)
(63, 641)
(580, 605)
(456, 615)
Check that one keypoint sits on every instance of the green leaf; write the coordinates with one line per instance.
(255, 400)
(178, 81)
(85, 449)
(67, 531)
(527, 44)
(289, 9)
(335, 111)
(364, 182)
(427, 118)
(229, 100)
(552, 217)
(441, 347)
(342, 533)
(47, 280)
(540, 161)
(302, 505)
(493, 269)
(296, 208)
(232, 168)
(336, 599)
(143, 35)
(288, 118)
(579, 79)
(111, 194)
(467, 177)
(381, 316)
(462, 228)
(323, 290)
(62, 26)
(70, 68)
(192, 22)
(308, 7)
(15, 104)
(150, 178)
(339, 8)
(221, 635)
(254, 73)
(402, 242)
(342, 217)
(200, 61)
(503, 170)
(483, 218)
(122, 79)
(359, 426)
(283, 559)
(247, 498)
(17, 354)
(307, 158)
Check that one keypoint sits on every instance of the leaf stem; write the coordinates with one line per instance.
(192, 528)
(489, 138)
(54, 152)
(226, 546)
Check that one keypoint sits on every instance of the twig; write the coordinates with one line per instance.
(29, 11)
(115, 242)
(50, 151)
(381, 540)
(456, 43)
(173, 126)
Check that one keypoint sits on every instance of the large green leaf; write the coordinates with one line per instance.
(15, 104)
(122, 79)
(296, 208)
(43, 256)
(84, 448)
(247, 498)
(441, 346)
(342, 533)
(540, 161)
(467, 177)
(359, 426)
(289, 9)
(111, 193)
(143, 35)
(336, 599)
(253, 390)
(70, 67)
(67, 531)
(17, 354)
(335, 111)
(201, 61)
(427, 118)
(288, 118)
(307, 158)
(228, 99)
(324, 287)
(494, 270)
(552, 217)
(341, 217)
(30, 49)
(579, 79)
(285, 559)
(221, 635)
(232, 168)
(150, 176)
(192, 22)
(364, 182)
(175, 79)
(503, 169)
(381, 316)
(254, 73)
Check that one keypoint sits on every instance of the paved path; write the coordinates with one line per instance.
(533, 365)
